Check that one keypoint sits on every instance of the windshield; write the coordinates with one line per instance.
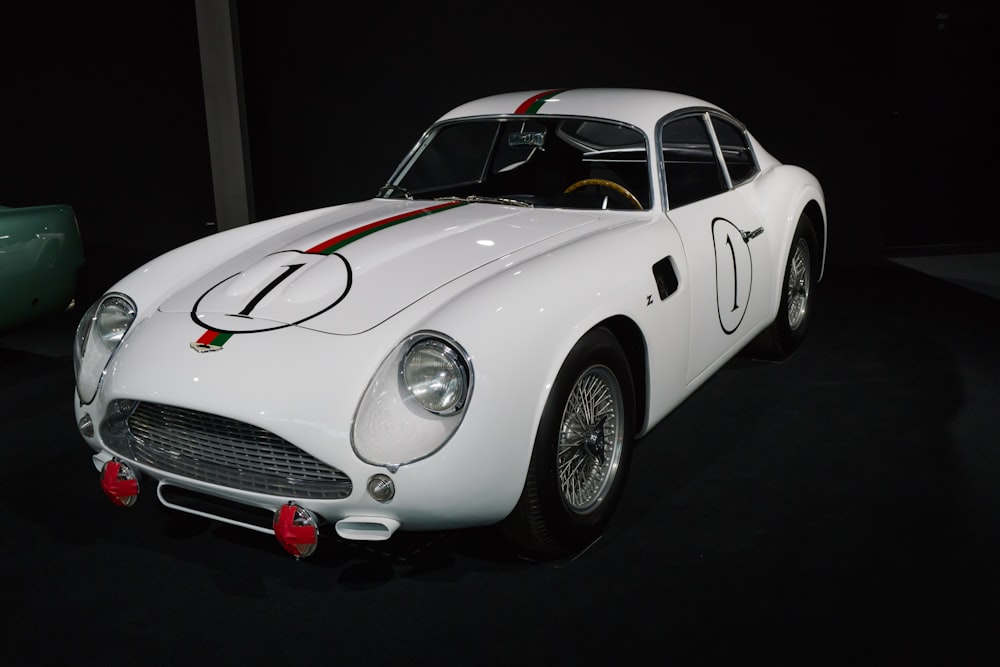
(537, 161)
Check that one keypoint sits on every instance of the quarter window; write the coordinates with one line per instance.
(690, 166)
(736, 150)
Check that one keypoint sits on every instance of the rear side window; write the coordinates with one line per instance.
(689, 164)
(736, 151)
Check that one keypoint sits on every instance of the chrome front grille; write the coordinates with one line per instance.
(219, 450)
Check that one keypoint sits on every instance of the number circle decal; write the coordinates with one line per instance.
(733, 273)
(281, 290)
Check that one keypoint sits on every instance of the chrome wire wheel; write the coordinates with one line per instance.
(590, 440)
(581, 453)
(798, 284)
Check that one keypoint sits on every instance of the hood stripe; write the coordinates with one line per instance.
(337, 242)
(217, 339)
(535, 102)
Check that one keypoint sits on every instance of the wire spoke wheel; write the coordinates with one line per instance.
(798, 284)
(581, 452)
(590, 440)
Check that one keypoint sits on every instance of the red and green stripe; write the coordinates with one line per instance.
(331, 246)
(218, 339)
(535, 102)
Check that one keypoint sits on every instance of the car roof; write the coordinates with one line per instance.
(640, 107)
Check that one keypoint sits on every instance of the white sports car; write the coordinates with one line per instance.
(545, 276)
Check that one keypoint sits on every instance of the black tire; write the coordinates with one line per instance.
(570, 493)
(798, 292)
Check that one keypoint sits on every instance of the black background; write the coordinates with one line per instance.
(103, 106)
(839, 508)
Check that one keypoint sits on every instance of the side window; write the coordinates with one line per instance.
(736, 151)
(689, 163)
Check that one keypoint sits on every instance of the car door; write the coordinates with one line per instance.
(722, 235)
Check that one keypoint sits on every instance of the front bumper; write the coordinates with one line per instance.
(239, 433)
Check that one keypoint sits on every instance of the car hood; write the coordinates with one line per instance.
(345, 269)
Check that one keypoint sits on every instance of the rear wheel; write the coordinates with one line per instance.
(581, 453)
(788, 329)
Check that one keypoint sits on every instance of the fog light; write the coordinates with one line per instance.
(296, 529)
(381, 488)
(120, 483)
(86, 426)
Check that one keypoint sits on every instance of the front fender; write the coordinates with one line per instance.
(519, 323)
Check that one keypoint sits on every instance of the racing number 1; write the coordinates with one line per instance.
(289, 270)
(732, 253)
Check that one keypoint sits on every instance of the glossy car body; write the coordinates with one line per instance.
(543, 279)
(41, 254)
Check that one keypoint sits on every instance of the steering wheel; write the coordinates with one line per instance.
(605, 183)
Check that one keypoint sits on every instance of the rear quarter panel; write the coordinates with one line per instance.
(782, 193)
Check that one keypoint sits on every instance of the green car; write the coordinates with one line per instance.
(41, 254)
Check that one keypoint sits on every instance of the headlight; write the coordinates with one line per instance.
(414, 403)
(436, 376)
(97, 337)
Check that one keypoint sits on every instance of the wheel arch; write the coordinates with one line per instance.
(817, 218)
(633, 343)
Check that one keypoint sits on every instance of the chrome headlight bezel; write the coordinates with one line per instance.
(436, 374)
(98, 335)
(415, 401)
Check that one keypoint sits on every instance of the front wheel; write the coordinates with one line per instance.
(581, 452)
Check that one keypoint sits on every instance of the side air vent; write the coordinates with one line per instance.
(665, 276)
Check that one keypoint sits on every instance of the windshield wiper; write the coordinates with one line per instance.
(480, 199)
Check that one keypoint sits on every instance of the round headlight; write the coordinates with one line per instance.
(415, 401)
(113, 319)
(97, 337)
(436, 376)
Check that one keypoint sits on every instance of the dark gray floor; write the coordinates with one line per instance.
(842, 507)
(979, 271)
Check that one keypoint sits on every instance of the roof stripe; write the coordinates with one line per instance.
(535, 102)
(337, 242)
